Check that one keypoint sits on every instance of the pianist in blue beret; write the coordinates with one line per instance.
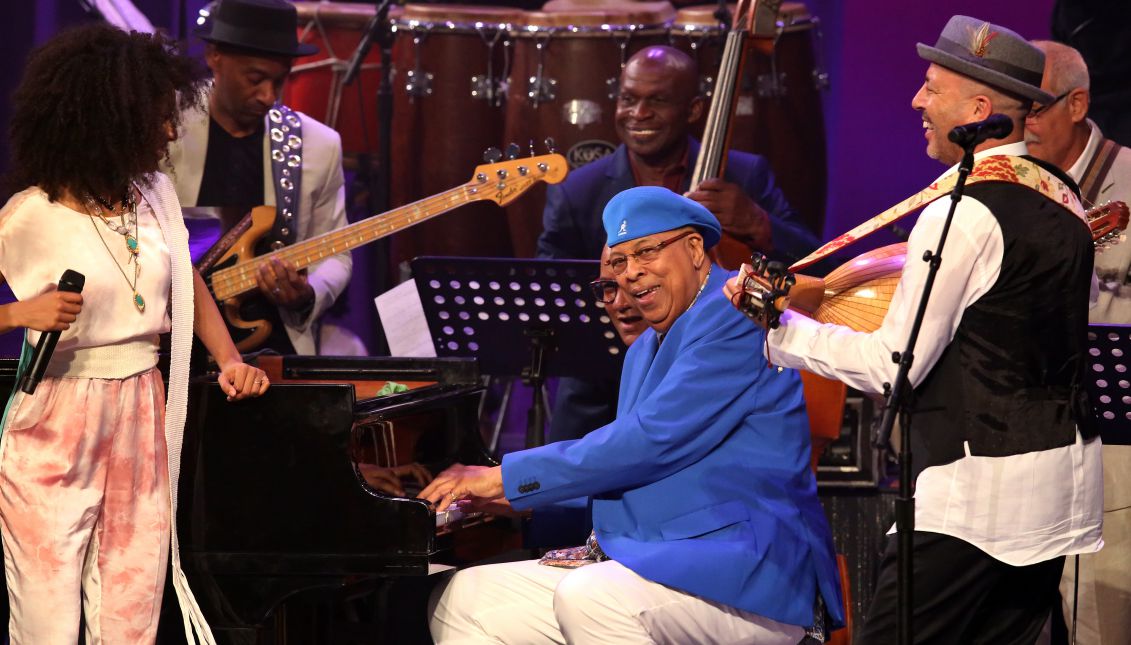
(705, 513)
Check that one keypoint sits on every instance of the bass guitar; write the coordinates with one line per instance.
(857, 294)
(230, 268)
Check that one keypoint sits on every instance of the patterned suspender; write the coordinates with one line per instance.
(1094, 175)
(285, 133)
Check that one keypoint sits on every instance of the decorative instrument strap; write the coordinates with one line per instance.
(285, 132)
(999, 168)
(1094, 175)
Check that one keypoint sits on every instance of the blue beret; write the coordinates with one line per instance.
(647, 210)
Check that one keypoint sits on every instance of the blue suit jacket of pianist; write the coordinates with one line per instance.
(702, 483)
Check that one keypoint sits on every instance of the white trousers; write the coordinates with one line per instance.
(525, 603)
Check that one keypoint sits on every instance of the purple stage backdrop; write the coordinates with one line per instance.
(875, 141)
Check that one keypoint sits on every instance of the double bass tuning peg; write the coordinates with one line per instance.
(492, 155)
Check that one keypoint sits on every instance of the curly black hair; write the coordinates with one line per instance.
(92, 110)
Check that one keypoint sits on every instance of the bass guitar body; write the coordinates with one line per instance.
(248, 315)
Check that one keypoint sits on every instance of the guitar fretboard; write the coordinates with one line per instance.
(239, 279)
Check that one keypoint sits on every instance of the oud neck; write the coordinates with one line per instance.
(240, 279)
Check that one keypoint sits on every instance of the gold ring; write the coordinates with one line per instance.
(453, 495)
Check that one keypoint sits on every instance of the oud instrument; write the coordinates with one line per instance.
(857, 294)
(230, 268)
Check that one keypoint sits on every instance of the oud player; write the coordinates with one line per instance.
(1006, 453)
(242, 149)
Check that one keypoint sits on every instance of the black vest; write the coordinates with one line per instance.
(1012, 379)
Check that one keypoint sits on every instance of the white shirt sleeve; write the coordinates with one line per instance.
(971, 262)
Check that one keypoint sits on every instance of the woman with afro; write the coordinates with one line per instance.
(87, 488)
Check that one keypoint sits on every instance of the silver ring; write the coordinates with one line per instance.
(275, 291)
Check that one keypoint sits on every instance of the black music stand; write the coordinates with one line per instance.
(528, 318)
(1109, 382)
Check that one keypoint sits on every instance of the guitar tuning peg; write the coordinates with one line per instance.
(513, 150)
(550, 145)
(531, 146)
(492, 155)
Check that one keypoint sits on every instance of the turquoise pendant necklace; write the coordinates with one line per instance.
(131, 241)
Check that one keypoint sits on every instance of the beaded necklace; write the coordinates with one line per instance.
(95, 206)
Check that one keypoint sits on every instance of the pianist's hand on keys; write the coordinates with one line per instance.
(464, 482)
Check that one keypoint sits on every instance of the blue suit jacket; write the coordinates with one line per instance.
(702, 482)
(571, 221)
(571, 228)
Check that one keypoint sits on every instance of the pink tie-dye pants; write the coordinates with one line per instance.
(84, 510)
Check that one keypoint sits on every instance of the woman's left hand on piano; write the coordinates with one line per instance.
(240, 381)
(460, 482)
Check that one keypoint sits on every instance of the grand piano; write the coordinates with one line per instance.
(273, 504)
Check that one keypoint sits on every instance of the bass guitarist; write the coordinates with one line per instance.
(242, 149)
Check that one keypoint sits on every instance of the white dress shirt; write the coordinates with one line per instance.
(1020, 509)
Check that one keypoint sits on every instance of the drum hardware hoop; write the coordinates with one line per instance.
(449, 25)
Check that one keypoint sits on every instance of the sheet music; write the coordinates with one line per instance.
(402, 316)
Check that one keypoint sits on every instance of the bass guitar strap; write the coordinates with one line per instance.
(284, 129)
(999, 168)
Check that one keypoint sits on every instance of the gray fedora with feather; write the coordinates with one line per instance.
(991, 54)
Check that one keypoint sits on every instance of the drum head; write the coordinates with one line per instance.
(568, 15)
(457, 16)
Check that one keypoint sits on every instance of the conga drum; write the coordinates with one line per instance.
(451, 65)
(563, 85)
(315, 84)
(779, 113)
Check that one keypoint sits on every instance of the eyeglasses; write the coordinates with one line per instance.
(1039, 110)
(645, 255)
(604, 290)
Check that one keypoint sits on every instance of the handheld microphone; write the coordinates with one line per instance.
(72, 281)
(996, 126)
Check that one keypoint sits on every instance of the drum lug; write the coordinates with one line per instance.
(820, 79)
(419, 83)
(613, 86)
(485, 88)
(707, 86)
(771, 85)
(541, 90)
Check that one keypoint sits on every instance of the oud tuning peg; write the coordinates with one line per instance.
(550, 145)
(492, 155)
(513, 150)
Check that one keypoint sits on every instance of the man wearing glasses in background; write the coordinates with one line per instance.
(1061, 133)
(707, 524)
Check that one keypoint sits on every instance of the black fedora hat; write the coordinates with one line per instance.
(267, 26)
